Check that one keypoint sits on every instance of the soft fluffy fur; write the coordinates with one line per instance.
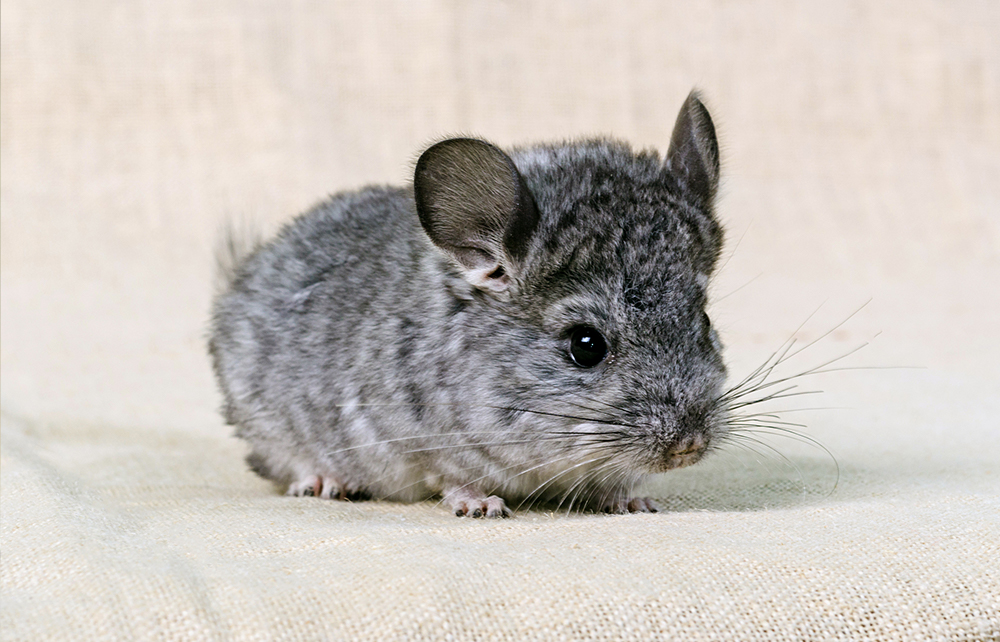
(363, 353)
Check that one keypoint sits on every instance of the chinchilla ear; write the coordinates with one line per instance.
(694, 152)
(473, 204)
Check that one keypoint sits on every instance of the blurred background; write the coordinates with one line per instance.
(860, 149)
(860, 163)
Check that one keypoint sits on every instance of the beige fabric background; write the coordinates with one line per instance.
(861, 149)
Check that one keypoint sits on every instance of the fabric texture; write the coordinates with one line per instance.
(860, 161)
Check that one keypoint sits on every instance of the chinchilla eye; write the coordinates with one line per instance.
(587, 347)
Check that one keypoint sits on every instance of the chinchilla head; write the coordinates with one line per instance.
(589, 264)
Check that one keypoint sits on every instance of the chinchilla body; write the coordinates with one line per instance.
(526, 325)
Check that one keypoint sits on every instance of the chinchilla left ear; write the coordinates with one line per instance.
(474, 204)
(693, 155)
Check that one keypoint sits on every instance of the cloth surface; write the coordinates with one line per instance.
(861, 160)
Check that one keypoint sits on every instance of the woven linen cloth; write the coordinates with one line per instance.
(861, 161)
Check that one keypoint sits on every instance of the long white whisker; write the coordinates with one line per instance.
(578, 484)
(615, 468)
(558, 475)
(802, 437)
(472, 483)
(802, 479)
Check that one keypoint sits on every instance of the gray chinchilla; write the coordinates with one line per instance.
(515, 327)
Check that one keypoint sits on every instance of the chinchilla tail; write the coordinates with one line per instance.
(235, 242)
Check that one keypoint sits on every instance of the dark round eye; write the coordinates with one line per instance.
(587, 347)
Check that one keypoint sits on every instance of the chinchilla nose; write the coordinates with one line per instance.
(685, 451)
(688, 445)
(691, 437)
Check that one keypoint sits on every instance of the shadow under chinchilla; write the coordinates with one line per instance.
(739, 480)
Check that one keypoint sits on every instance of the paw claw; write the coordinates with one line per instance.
(305, 487)
(495, 507)
(325, 487)
(468, 503)
(626, 505)
(332, 489)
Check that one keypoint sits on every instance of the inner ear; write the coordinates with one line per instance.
(474, 204)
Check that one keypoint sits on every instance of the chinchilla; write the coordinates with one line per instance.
(515, 326)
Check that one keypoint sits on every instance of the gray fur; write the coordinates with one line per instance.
(356, 349)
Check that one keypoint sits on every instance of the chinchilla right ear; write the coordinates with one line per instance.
(474, 204)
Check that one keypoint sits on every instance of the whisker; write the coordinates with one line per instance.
(732, 292)
(493, 432)
(559, 439)
(548, 462)
(563, 416)
(802, 479)
(791, 387)
(453, 405)
(745, 441)
(735, 247)
(577, 486)
(785, 346)
(398, 439)
(558, 475)
(607, 436)
(804, 373)
(832, 330)
(550, 384)
(786, 432)
(760, 416)
(772, 397)
(760, 375)
(845, 368)
(485, 443)
(616, 469)
(802, 437)
(718, 445)
(744, 446)
(785, 411)
(754, 375)
(472, 483)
